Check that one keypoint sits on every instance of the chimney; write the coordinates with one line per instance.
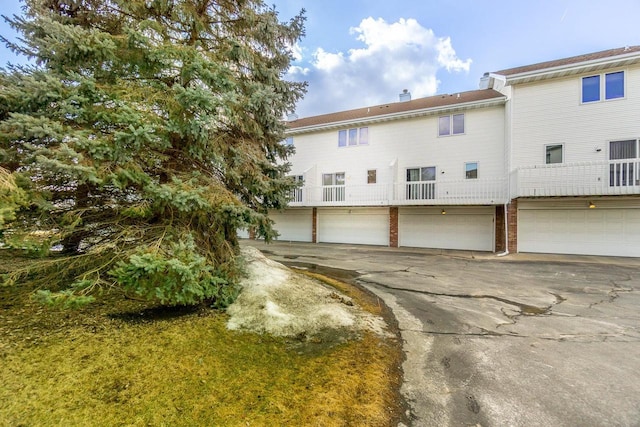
(405, 96)
(486, 82)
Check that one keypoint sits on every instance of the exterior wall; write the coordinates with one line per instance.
(318, 153)
(551, 112)
(417, 144)
(413, 143)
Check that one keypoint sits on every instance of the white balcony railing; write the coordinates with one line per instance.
(614, 177)
(468, 192)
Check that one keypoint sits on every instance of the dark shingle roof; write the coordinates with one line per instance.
(569, 61)
(397, 107)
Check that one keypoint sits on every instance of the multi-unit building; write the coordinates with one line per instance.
(542, 158)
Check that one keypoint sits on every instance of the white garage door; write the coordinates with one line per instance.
(607, 229)
(294, 225)
(460, 228)
(365, 226)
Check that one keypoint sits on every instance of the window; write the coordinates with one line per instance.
(371, 176)
(353, 137)
(613, 87)
(451, 125)
(471, 170)
(623, 165)
(553, 154)
(288, 141)
(421, 174)
(296, 193)
(421, 183)
(333, 184)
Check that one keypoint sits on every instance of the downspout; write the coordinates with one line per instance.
(507, 155)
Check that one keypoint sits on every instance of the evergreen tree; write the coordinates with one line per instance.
(145, 134)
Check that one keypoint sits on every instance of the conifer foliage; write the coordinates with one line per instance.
(145, 134)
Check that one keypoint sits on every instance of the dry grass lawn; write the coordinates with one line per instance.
(121, 362)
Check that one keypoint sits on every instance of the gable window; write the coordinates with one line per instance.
(471, 170)
(613, 88)
(333, 187)
(421, 183)
(553, 154)
(353, 137)
(371, 176)
(623, 163)
(451, 125)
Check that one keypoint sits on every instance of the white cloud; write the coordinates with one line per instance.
(395, 56)
(296, 52)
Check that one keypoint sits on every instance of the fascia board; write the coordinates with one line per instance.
(400, 115)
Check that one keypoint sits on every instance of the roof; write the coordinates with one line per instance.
(420, 106)
(619, 53)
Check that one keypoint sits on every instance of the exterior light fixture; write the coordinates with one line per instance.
(443, 212)
(592, 205)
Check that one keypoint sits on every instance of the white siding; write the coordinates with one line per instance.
(550, 112)
(417, 144)
(412, 142)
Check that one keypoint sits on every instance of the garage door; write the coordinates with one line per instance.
(365, 226)
(294, 225)
(607, 229)
(459, 228)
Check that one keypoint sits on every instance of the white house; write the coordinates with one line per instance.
(428, 172)
(542, 158)
(572, 134)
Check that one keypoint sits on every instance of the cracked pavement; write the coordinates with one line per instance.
(523, 340)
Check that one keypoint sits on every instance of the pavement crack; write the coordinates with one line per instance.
(525, 309)
(612, 295)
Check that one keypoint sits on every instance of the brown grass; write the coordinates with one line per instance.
(121, 363)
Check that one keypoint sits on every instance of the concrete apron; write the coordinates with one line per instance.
(533, 340)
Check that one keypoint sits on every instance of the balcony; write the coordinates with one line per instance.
(441, 192)
(613, 177)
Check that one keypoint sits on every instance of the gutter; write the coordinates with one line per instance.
(399, 115)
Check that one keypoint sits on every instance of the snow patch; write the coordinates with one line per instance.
(281, 302)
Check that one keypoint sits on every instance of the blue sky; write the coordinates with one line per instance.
(358, 53)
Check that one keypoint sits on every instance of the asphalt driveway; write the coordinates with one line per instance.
(522, 340)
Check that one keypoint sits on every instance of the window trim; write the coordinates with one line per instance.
(420, 168)
(375, 176)
(353, 137)
(602, 86)
(546, 146)
(451, 130)
(477, 169)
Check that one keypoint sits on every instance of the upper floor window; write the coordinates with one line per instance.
(471, 170)
(353, 137)
(288, 141)
(592, 89)
(553, 154)
(451, 125)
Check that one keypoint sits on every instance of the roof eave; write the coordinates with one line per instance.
(399, 115)
(572, 69)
